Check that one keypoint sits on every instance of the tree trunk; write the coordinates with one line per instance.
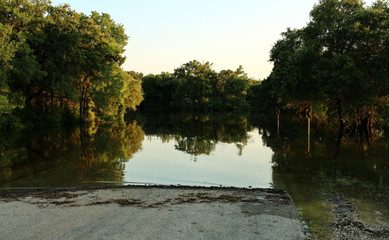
(82, 99)
(83, 104)
(278, 112)
(339, 140)
(340, 112)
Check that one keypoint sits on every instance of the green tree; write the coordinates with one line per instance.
(101, 45)
(292, 78)
(55, 58)
(195, 89)
(7, 51)
(20, 21)
(196, 86)
(353, 51)
(337, 63)
(159, 91)
(231, 90)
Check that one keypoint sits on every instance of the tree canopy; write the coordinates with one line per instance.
(196, 86)
(56, 61)
(54, 58)
(338, 63)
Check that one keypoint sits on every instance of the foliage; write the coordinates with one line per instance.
(76, 155)
(337, 64)
(9, 122)
(56, 59)
(195, 86)
(159, 90)
(5, 106)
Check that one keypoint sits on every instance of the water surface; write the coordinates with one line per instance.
(225, 150)
(185, 150)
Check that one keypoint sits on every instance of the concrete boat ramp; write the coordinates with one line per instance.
(149, 212)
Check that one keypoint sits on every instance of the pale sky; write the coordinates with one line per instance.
(164, 34)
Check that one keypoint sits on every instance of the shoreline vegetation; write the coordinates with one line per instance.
(62, 67)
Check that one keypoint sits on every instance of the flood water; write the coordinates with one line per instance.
(227, 150)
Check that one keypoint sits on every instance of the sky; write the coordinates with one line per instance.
(164, 34)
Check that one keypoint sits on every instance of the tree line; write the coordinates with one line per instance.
(64, 64)
(58, 62)
(195, 86)
(337, 65)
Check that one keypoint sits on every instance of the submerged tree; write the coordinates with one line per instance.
(338, 63)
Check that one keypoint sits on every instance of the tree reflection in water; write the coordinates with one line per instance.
(197, 134)
(338, 163)
(74, 157)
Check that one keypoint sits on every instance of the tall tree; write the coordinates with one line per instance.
(338, 62)
(230, 90)
(52, 57)
(195, 87)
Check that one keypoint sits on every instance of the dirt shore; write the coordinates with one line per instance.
(149, 213)
(348, 226)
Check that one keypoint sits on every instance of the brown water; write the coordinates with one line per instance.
(211, 151)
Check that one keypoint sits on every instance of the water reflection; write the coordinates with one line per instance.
(199, 134)
(68, 158)
(314, 165)
(93, 155)
(332, 163)
(200, 150)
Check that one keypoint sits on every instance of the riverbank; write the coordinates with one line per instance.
(149, 213)
(349, 225)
